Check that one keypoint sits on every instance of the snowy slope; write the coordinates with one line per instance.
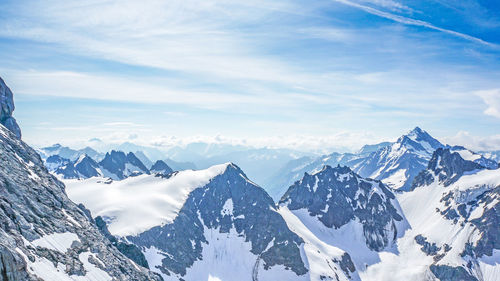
(136, 204)
(454, 229)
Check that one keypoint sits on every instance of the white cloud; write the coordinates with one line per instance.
(389, 4)
(492, 99)
(475, 143)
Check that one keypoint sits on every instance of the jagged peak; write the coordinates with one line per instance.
(161, 166)
(447, 159)
(338, 169)
(420, 139)
(230, 168)
(85, 158)
(445, 166)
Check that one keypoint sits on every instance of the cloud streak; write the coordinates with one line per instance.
(414, 22)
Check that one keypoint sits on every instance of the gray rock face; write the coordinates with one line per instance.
(251, 213)
(6, 109)
(431, 249)
(122, 165)
(338, 196)
(160, 167)
(450, 273)
(488, 224)
(34, 209)
(83, 168)
(131, 251)
(476, 157)
(446, 166)
(68, 153)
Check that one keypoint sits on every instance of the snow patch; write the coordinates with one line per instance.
(60, 242)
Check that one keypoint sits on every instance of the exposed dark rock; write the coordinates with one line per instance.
(446, 166)
(338, 195)
(131, 251)
(254, 217)
(431, 249)
(450, 273)
(33, 204)
(488, 224)
(123, 165)
(7, 108)
(161, 167)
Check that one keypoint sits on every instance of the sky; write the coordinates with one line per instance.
(320, 74)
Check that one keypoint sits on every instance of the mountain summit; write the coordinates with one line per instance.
(395, 164)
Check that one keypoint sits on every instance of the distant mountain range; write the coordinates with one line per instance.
(396, 164)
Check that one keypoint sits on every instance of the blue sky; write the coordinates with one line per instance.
(318, 74)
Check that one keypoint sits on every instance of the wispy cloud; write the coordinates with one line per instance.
(410, 21)
(492, 100)
(242, 68)
(474, 142)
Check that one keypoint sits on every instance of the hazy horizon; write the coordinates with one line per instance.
(329, 75)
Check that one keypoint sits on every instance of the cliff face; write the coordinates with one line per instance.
(43, 234)
(6, 109)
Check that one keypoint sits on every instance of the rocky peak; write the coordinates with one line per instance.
(114, 157)
(161, 167)
(7, 108)
(120, 165)
(445, 165)
(87, 167)
(238, 209)
(420, 140)
(338, 196)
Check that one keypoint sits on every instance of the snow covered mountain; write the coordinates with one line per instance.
(295, 169)
(209, 224)
(84, 167)
(454, 213)
(117, 165)
(493, 155)
(395, 164)
(160, 167)
(474, 157)
(360, 216)
(68, 153)
(43, 234)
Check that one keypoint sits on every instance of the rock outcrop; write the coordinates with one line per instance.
(43, 234)
(6, 109)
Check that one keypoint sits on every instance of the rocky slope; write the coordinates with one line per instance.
(44, 235)
(335, 202)
(6, 110)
